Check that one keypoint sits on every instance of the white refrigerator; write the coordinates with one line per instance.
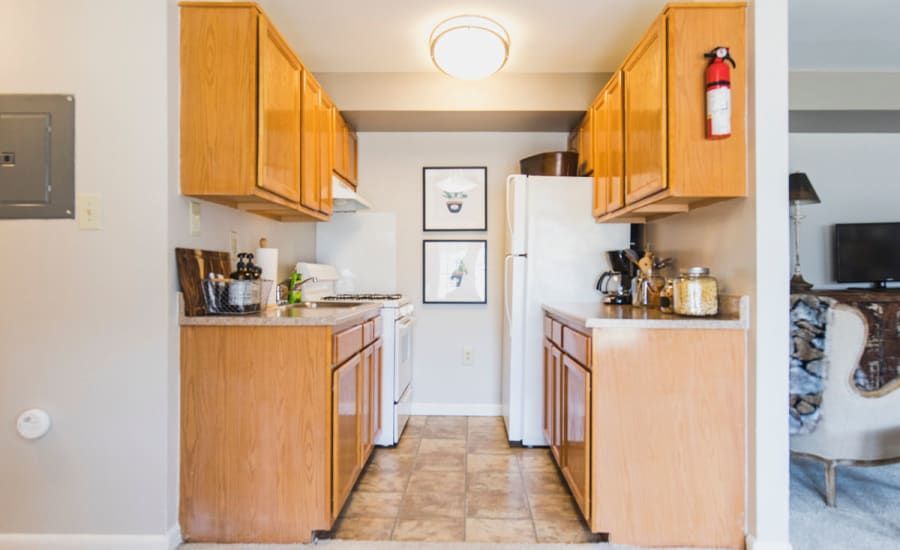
(554, 253)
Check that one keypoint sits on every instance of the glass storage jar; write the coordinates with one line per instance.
(696, 293)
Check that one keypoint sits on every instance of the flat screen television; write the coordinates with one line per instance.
(867, 253)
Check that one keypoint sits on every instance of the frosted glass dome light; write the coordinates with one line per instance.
(469, 47)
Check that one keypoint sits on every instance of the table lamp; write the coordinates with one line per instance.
(800, 192)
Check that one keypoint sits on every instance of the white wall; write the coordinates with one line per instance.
(89, 329)
(390, 168)
(857, 176)
(745, 243)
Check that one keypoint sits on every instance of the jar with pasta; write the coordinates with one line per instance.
(696, 293)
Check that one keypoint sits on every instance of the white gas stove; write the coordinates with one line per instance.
(397, 323)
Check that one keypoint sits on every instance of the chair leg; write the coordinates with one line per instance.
(831, 483)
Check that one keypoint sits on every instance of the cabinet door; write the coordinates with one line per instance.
(549, 389)
(377, 389)
(600, 114)
(339, 144)
(615, 145)
(586, 145)
(558, 403)
(345, 430)
(309, 141)
(326, 156)
(644, 73)
(576, 432)
(279, 115)
(365, 407)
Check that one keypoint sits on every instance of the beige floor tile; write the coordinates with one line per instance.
(442, 446)
(407, 446)
(445, 427)
(488, 445)
(544, 483)
(387, 459)
(417, 420)
(431, 530)
(499, 530)
(433, 505)
(552, 507)
(486, 422)
(536, 460)
(365, 529)
(438, 462)
(495, 482)
(373, 505)
(383, 481)
(569, 531)
(491, 463)
(423, 481)
(457, 421)
(413, 430)
(511, 505)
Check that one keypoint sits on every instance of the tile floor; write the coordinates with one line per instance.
(454, 479)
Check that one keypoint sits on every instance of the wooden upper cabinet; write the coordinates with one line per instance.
(345, 150)
(615, 143)
(279, 115)
(310, 195)
(240, 112)
(586, 145)
(645, 121)
(326, 152)
(600, 118)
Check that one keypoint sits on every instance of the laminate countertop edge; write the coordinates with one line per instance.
(284, 316)
(734, 314)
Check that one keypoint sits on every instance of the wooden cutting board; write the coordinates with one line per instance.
(193, 267)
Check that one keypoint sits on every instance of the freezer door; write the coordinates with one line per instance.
(516, 212)
(514, 268)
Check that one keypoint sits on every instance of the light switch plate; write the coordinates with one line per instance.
(194, 216)
(90, 211)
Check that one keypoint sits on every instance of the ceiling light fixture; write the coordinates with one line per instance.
(469, 47)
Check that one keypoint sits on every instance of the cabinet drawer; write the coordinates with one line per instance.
(347, 343)
(577, 346)
(548, 328)
(556, 332)
(368, 332)
(377, 326)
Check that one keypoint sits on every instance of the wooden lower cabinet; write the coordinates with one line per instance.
(576, 464)
(650, 434)
(275, 430)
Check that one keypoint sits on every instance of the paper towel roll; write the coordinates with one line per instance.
(267, 259)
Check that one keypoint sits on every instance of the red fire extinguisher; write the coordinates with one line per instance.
(718, 93)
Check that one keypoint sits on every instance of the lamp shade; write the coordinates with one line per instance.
(801, 190)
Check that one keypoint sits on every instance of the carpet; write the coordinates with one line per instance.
(867, 514)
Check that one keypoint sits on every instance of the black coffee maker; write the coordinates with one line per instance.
(616, 283)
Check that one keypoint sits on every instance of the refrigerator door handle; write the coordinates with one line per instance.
(506, 285)
(510, 180)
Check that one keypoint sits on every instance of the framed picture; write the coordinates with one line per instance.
(454, 199)
(454, 272)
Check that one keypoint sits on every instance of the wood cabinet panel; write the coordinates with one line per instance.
(378, 391)
(600, 116)
(353, 157)
(556, 332)
(549, 390)
(576, 464)
(326, 152)
(367, 372)
(556, 441)
(348, 380)
(347, 343)
(577, 346)
(310, 192)
(279, 115)
(340, 137)
(586, 145)
(615, 142)
(644, 73)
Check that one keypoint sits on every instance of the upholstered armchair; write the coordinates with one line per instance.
(854, 429)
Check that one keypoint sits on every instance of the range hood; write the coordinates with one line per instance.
(345, 198)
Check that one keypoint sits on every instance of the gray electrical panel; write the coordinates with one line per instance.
(37, 156)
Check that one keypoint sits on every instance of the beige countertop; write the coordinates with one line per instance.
(733, 314)
(287, 316)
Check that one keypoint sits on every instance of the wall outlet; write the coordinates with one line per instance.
(194, 217)
(467, 356)
(233, 245)
(90, 211)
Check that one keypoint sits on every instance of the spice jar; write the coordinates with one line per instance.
(696, 293)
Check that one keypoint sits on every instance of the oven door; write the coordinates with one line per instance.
(403, 355)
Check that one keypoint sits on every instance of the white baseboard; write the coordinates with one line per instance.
(28, 541)
(456, 409)
(173, 537)
(753, 544)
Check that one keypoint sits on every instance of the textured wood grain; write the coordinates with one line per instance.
(615, 118)
(348, 379)
(600, 118)
(326, 112)
(645, 115)
(341, 137)
(279, 114)
(218, 100)
(353, 157)
(577, 346)
(347, 343)
(576, 463)
(255, 404)
(668, 410)
(700, 167)
(549, 389)
(310, 192)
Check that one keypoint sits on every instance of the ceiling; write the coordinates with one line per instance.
(844, 35)
(558, 36)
